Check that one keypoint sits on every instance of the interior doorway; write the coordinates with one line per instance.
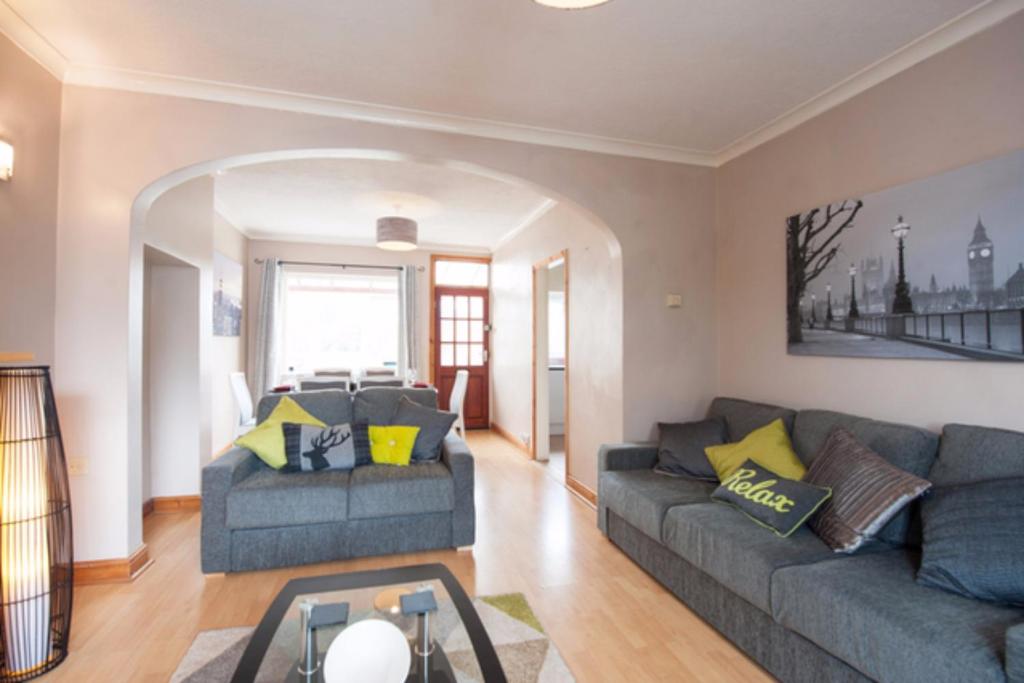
(550, 437)
(172, 441)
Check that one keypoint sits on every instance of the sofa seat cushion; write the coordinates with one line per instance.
(742, 417)
(642, 497)
(268, 498)
(735, 551)
(387, 491)
(868, 611)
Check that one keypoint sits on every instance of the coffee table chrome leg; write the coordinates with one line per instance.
(309, 663)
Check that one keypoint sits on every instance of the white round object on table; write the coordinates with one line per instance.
(368, 651)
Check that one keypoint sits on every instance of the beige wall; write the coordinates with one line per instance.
(228, 354)
(30, 101)
(595, 336)
(961, 106)
(116, 144)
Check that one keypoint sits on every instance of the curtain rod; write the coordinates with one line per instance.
(336, 265)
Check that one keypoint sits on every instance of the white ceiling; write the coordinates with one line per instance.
(685, 75)
(339, 200)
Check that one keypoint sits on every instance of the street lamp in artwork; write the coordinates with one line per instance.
(901, 302)
(854, 313)
(814, 310)
(829, 318)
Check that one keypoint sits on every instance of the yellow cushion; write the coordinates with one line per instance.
(392, 445)
(768, 446)
(267, 439)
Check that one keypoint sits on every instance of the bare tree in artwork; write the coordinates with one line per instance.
(811, 245)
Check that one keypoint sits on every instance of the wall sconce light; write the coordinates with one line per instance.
(6, 160)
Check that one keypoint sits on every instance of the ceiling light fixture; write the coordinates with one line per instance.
(395, 233)
(571, 4)
(6, 160)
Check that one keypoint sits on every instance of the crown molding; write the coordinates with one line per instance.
(31, 42)
(229, 93)
(947, 35)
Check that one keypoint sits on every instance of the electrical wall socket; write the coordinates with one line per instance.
(78, 467)
(674, 300)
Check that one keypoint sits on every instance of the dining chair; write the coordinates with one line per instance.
(455, 402)
(243, 398)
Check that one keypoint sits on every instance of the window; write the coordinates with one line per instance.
(338, 318)
(461, 273)
(462, 330)
(556, 329)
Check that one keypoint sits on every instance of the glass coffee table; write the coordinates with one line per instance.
(459, 647)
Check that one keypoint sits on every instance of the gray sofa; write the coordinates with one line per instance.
(255, 517)
(800, 610)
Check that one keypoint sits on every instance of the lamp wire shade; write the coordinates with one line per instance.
(36, 554)
(396, 232)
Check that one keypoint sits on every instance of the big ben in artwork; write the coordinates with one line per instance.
(980, 255)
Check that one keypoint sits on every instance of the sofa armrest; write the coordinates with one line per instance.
(627, 456)
(218, 478)
(456, 456)
(1015, 654)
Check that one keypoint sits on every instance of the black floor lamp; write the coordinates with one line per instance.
(36, 557)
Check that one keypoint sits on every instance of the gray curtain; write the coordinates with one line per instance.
(407, 302)
(266, 329)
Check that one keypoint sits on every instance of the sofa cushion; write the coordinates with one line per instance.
(908, 448)
(774, 502)
(972, 454)
(377, 406)
(434, 426)
(868, 611)
(268, 498)
(681, 447)
(387, 491)
(768, 446)
(642, 497)
(741, 556)
(743, 417)
(330, 406)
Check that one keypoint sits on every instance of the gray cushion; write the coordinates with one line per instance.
(387, 490)
(681, 447)
(433, 424)
(1015, 654)
(974, 540)
(268, 498)
(330, 406)
(743, 417)
(908, 448)
(642, 497)
(970, 454)
(377, 406)
(735, 551)
(781, 504)
(868, 611)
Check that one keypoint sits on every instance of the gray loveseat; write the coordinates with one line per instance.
(255, 517)
(802, 611)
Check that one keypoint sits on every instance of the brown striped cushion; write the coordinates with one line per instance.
(867, 491)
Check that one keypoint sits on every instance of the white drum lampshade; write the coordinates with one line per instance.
(396, 233)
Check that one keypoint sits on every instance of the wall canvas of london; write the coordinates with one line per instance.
(933, 269)
(227, 296)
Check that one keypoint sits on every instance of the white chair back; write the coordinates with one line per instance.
(243, 398)
(458, 397)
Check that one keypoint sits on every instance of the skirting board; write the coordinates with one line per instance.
(164, 504)
(121, 570)
(511, 438)
(581, 490)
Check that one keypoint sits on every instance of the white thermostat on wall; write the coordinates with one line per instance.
(674, 300)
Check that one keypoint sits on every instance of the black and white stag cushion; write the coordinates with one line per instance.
(309, 448)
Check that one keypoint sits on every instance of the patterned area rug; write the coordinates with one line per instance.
(527, 655)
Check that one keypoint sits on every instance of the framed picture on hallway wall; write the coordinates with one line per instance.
(933, 269)
(227, 296)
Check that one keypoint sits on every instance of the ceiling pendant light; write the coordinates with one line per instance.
(571, 4)
(395, 233)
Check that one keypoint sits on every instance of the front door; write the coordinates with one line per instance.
(460, 343)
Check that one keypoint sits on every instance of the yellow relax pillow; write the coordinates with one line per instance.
(392, 445)
(768, 446)
(267, 439)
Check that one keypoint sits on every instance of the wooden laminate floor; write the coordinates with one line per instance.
(611, 621)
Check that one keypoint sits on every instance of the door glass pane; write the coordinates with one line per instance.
(476, 354)
(447, 331)
(462, 354)
(462, 330)
(476, 307)
(447, 355)
(462, 307)
(447, 307)
(461, 273)
(476, 331)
